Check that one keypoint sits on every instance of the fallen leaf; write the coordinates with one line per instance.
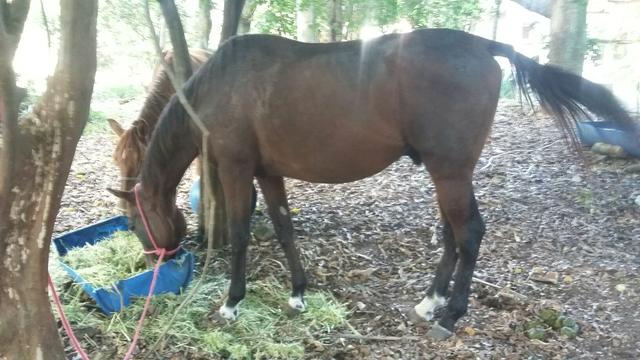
(469, 330)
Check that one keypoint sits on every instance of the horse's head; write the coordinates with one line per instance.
(165, 221)
(129, 152)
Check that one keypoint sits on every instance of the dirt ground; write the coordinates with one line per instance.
(370, 244)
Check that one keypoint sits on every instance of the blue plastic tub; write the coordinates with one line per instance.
(609, 133)
(174, 275)
(194, 197)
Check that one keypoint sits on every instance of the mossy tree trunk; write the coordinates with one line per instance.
(35, 159)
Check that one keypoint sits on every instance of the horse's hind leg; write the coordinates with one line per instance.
(276, 198)
(438, 290)
(459, 207)
(236, 182)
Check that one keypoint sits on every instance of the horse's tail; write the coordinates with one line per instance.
(564, 94)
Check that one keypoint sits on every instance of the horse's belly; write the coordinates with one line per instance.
(331, 162)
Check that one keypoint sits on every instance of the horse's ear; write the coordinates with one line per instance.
(125, 195)
(116, 127)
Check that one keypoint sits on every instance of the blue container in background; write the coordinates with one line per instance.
(173, 276)
(194, 196)
(608, 132)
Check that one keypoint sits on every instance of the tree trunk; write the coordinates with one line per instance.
(231, 18)
(204, 20)
(37, 153)
(305, 17)
(249, 9)
(496, 18)
(568, 34)
(335, 22)
(181, 60)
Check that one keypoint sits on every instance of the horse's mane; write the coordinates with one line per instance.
(173, 130)
(133, 142)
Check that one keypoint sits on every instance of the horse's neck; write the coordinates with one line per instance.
(171, 150)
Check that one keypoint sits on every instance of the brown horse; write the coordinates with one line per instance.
(340, 112)
(132, 142)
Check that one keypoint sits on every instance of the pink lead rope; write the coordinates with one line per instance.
(160, 252)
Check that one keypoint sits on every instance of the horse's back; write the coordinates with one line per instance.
(341, 111)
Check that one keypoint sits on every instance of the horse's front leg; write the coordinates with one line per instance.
(276, 198)
(237, 186)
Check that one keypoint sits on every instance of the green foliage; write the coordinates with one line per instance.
(455, 14)
(97, 123)
(118, 92)
(508, 87)
(594, 50)
(279, 17)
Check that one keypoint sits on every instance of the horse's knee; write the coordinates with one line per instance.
(239, 239)
(469, 239)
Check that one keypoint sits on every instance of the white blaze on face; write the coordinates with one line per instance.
(229, 313)
(428, 305)
(283, 211)
(296, 302)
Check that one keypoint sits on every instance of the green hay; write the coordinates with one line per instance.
(109, 260)
(262, 331)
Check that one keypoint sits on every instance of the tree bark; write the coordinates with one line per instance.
(204, 19)
(231, 18)
(246, 17)
(335, 21)
(181, 60)
(568, 34)
(37, 152)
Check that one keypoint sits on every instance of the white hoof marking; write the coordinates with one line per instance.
(296, 302)
(428, 305)
(228, 313)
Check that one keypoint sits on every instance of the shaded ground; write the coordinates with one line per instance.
(369, 243)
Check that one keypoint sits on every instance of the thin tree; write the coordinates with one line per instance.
(568, 31)
(35, 159)
(204, 22)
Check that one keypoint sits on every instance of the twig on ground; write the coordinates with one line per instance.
(486, 283)
(380, 338)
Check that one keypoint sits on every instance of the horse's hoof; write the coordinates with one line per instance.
(214, 320)
(228, 313)
(294, 307)
(438, 332)
(416, 318)
(291, 312)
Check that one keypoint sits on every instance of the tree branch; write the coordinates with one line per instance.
(181, 58)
